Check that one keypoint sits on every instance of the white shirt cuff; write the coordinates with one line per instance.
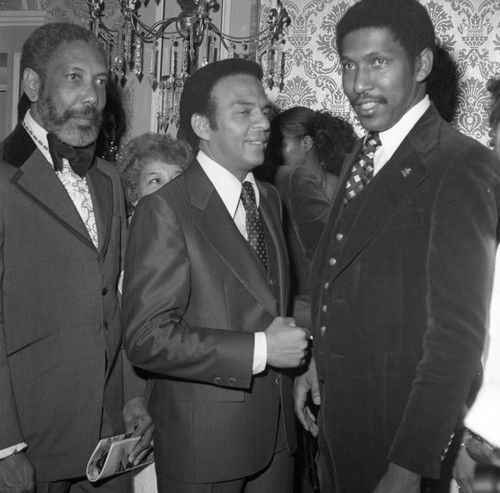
(7, 452)
(259, 353)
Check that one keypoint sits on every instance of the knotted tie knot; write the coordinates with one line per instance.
(80, 158)
(362, 170)
(254, 224)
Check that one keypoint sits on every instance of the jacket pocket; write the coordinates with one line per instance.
(34, 358)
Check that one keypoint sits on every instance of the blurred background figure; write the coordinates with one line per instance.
(148, 162)
(315, 140)
(310, 147)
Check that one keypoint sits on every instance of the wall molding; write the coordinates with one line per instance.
(14, 18)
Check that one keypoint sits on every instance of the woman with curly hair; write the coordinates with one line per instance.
(317, 140)
(311, 147)
(149, 161)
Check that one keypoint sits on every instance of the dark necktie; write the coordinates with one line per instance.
(362, 171)
(80, 158)
(255, 227)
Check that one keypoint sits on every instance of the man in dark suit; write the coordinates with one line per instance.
(204, 308)
(62, 229)
(402, 276)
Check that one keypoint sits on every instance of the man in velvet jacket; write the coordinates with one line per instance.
(403, 272)
(201, 310)
(62, 230)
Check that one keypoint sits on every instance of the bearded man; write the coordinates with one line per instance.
(64, 381)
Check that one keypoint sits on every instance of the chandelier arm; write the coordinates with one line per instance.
(152, 33)
(188, 42)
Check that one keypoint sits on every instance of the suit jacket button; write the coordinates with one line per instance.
(332, 261)
(322, 330)
(232, 381)
(339, 236)
(272, 282)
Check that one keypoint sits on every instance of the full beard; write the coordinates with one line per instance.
(63, 125)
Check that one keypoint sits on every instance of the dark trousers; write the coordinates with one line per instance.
(277, 477)
(118, 484)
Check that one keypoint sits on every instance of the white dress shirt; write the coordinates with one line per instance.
(229, 189)
(391, 139)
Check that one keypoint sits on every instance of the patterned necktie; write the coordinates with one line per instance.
(80, 158)
(362, 171)
(255, 227)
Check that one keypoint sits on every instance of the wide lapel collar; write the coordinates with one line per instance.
(38, 180)
(101, 190)
(400, 175)
(218, 227)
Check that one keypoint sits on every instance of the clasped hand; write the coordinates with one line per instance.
(286, 343)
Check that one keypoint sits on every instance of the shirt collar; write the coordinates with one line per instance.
(38, 134)
(392, 138)
(226, 184)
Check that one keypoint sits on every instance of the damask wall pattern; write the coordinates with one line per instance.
(468, 33)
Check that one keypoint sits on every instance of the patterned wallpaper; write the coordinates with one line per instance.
(468, 32)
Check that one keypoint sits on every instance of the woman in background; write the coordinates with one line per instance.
(148, 162)
(310, 147)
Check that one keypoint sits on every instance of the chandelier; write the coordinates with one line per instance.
(183, 44)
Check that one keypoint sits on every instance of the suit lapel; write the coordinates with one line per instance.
(383, 196)
(38, 180)
(382, 199)
(219, 229)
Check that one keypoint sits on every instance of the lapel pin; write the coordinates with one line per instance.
(406, 172)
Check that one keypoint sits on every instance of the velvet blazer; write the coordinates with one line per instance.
(401, 286)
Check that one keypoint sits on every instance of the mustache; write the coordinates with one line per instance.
(364, 98)
(87, 112)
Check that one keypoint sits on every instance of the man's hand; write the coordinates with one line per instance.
(307, 382)
(138, 421)
(397, 479)
(286, 343)
(17, 474)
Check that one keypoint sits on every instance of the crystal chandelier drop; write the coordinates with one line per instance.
(186, 42)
